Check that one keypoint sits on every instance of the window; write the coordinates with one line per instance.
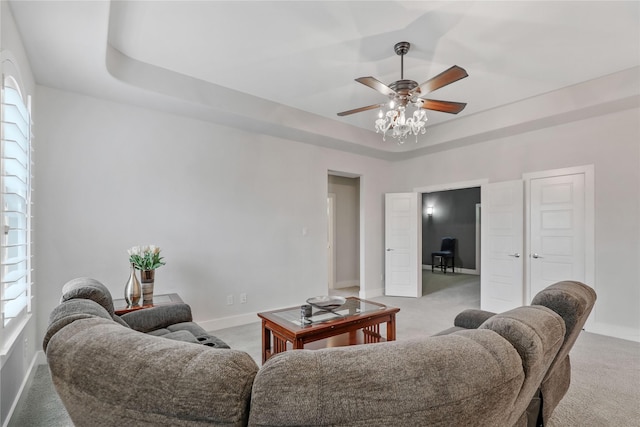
(15, 200)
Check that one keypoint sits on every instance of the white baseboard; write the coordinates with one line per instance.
(38, 359)
(346, 284)
(371, 293)
(228, 322)
(457, 270)
(622, 332)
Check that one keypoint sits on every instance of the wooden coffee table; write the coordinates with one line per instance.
(356, 322)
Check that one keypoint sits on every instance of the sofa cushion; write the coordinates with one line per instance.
(189, 332)
(212, 341)
(159, 332)
(467, 378)
(192, 327)
(202, 336)
(184, 336)
(450, 330)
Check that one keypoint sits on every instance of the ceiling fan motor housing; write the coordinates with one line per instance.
(402, 88)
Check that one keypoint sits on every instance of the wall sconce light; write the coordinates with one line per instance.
(429, 210)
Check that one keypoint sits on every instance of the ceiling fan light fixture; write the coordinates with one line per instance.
(401, 127)
(406, 93)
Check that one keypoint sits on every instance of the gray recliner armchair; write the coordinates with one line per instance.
(573, 301)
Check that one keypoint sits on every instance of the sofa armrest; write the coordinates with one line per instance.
(472, 318)
(161, 316)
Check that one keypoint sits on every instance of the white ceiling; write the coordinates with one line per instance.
(305, 55)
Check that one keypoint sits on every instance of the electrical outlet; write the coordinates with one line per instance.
(243, 298)
(229, 299)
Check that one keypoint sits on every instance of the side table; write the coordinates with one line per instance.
(120, 305)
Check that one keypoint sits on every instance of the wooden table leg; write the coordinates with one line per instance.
(298, 344)
(266, 342)
(391, 328)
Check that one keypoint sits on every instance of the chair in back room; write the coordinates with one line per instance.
(447, 252)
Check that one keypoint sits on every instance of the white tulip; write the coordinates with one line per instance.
(135, 250)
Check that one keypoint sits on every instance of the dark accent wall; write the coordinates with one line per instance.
(454, 216)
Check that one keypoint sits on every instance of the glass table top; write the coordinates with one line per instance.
(352, 307)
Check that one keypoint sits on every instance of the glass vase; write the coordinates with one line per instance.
(132, 290)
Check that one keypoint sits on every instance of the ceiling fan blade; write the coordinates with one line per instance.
(446, 77)
(377, 85)
(358, 110)
(443, 106)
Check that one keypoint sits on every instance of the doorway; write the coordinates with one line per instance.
(451, 210)
(343, 234)
(452, 213)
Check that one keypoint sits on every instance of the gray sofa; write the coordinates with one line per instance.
(108, 374)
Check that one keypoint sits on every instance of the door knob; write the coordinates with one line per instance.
(389, 249)
(516, 255)
(536, 256)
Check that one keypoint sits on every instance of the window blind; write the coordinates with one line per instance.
(15, 200)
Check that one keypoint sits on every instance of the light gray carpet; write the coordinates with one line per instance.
(605, 388)
(41, 407)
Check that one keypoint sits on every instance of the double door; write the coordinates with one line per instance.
(534, 234)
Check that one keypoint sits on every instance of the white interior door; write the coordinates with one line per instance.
(502, 230)
(403, 252)
(557, 248)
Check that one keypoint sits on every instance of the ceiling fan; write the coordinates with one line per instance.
(407, 92)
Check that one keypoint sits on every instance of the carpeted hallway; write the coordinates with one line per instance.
(605, 388)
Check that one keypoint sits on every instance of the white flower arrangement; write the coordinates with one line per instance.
(145, 257)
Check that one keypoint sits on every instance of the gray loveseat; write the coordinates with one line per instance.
(108, 374)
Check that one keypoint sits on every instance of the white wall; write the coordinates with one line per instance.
(612, 144)
(226, 207)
